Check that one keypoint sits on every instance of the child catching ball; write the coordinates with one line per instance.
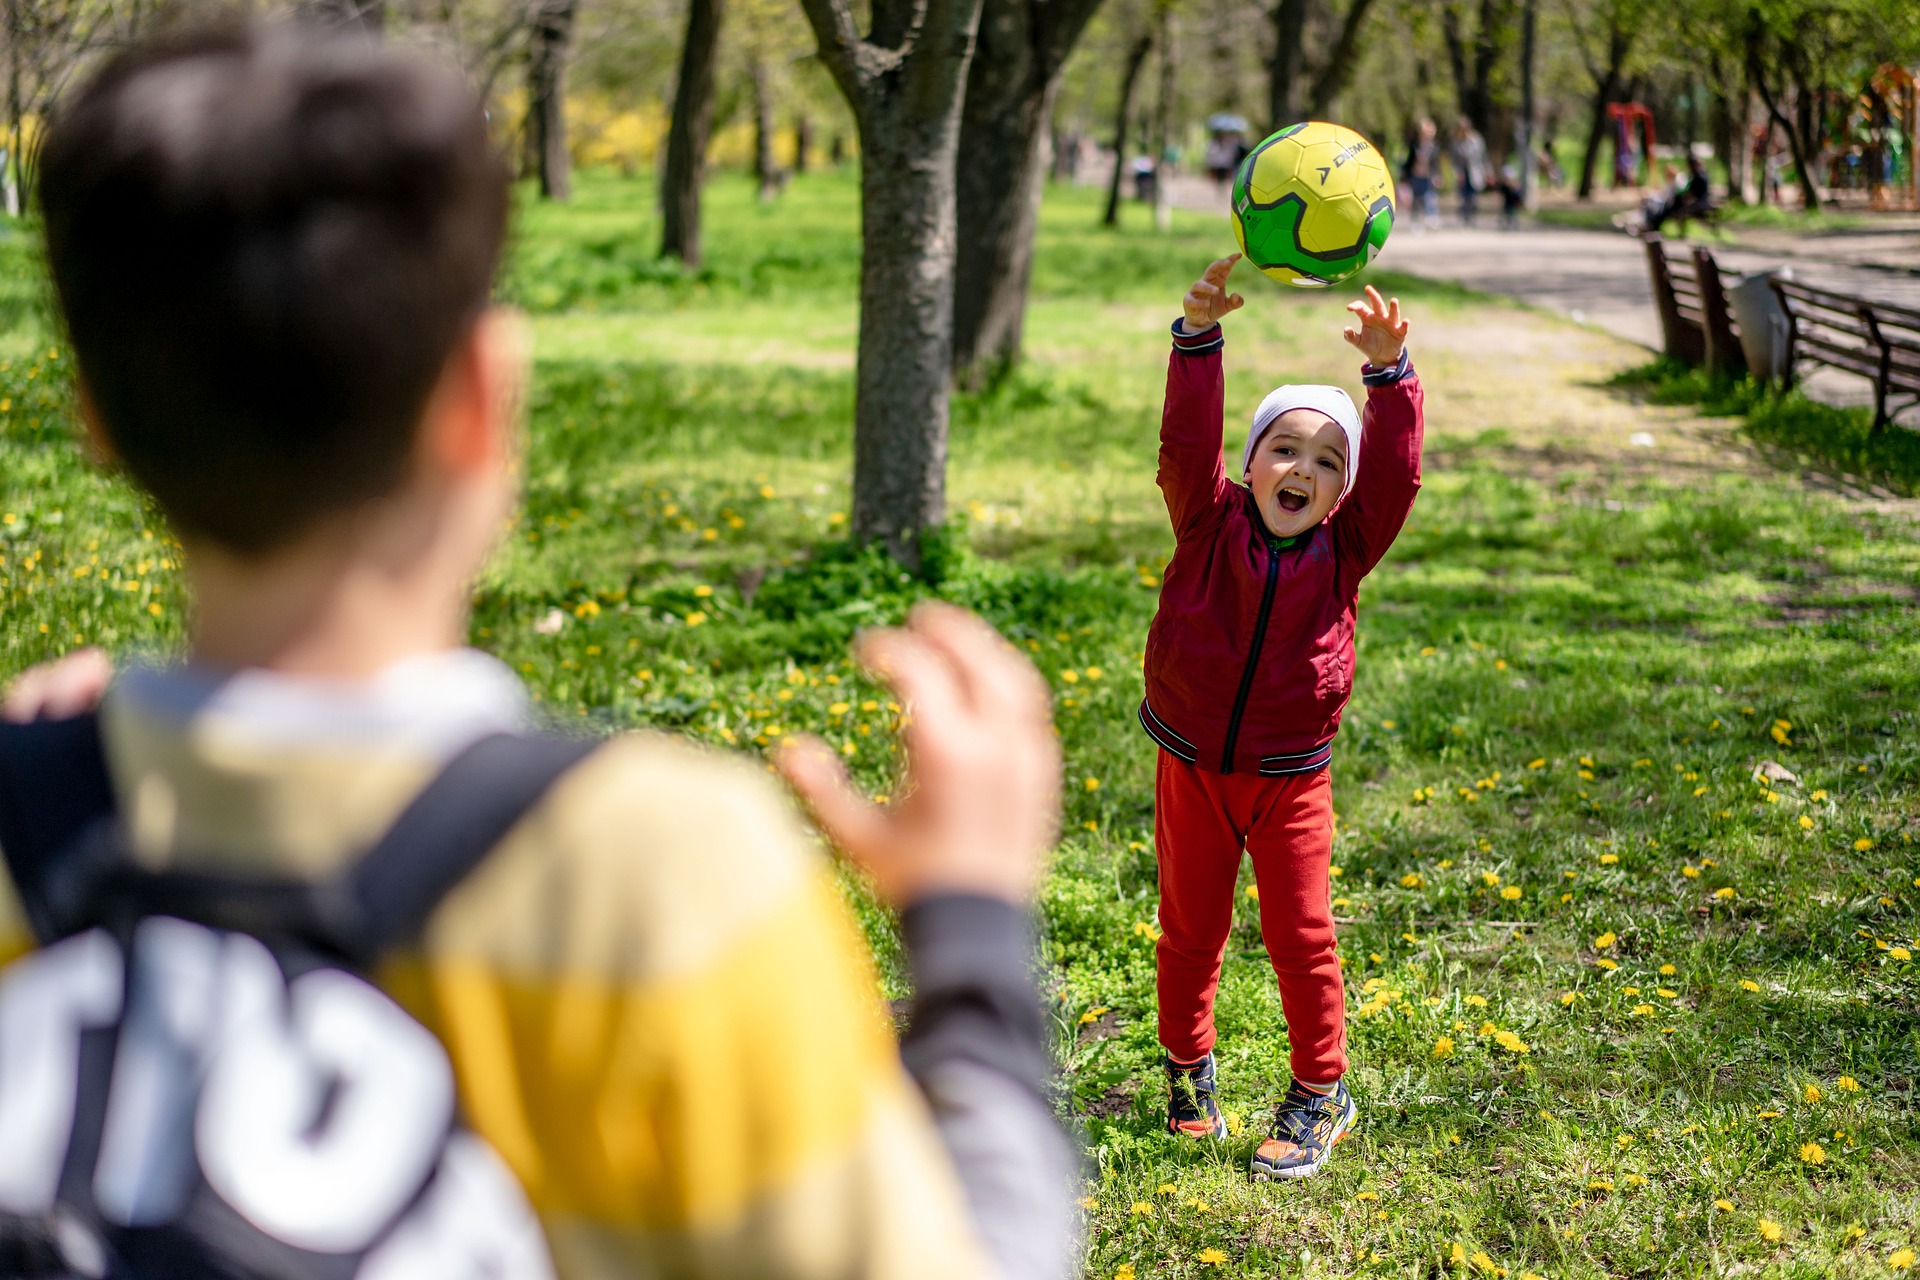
(1249, 664)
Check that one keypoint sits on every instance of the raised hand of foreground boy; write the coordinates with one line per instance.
(981, 802)
(1208, 300)
(1382, 333)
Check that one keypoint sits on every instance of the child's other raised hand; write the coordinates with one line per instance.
(1382, 334)
(1208, 300)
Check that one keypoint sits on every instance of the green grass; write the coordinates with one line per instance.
(1840, 442)
(1569, 671)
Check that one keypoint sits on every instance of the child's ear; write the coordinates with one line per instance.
(472, 419)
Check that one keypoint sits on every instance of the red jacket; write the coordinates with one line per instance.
(1250, 657)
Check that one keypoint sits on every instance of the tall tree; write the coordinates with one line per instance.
(1474, 57)
(1005, 121)
(1300, 86)
(687, 134)
(549, 45)
(904, 80)
(1122, 120)
(1605, 33)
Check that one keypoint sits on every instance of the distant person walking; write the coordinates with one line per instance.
(1469, 167)
(1422, 171)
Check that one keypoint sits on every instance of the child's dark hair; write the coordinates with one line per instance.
(268, 241)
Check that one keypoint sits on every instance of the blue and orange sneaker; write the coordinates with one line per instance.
(1307, 1126)
(1191, 1109)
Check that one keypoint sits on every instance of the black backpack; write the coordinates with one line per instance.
(196, 1077)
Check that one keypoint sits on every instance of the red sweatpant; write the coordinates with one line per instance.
(1202, 822)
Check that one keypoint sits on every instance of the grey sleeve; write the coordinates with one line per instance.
(976, 1046)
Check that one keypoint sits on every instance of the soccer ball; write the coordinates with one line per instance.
(1312, 204)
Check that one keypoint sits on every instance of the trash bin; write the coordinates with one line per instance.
(1764, 324)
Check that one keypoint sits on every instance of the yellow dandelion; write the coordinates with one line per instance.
(1092, 784)
(1366, 1196)
(1599, 1184)
(1604, 963)
(1141, 1209)
(1089, 1202)
(1487, 1028)
(1812, 1153)
(1124, 1272)
(1725, 894)
(1901, 1259)
(1476, 1002)
(1070, 676)
(1812, 1093)
(1511, 893)
(1769, 1230)
(1568, 997)
(1511, 1042)
(1748, 984)
(1211, 1258)
(1541, 763)
(1443, 1047)
(1666, 993)
(1609, 859)
(1167, 1189)
(1412, 880)
(1724, 1206)
(1483, 1263)
(1642, 1010)
(1605, 940)
(1806, 823)
(1847, 1084)
(703, 590)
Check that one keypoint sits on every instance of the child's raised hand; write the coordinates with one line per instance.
(1208, 300)
(1382, 334)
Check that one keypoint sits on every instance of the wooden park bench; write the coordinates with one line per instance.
(1696, 325)
(1878, 341)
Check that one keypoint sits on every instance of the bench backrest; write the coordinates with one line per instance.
(1696, 324)
(1879, 341)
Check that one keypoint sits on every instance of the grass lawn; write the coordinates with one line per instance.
(1616, 1007)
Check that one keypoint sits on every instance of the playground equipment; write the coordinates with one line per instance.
(1874, 152)
(1629, 169)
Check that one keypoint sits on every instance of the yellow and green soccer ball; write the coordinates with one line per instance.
(1312, 204)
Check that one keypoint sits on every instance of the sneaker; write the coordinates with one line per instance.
(1191, 1109)
(1307, 1126)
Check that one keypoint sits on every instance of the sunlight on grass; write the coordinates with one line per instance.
(1610, 988)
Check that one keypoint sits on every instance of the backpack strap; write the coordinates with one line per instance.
(378, 904)
(53, 787)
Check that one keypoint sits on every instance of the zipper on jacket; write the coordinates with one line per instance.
(1253, 654)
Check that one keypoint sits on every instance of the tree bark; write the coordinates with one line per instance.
(549, 44)
(687, 134)
(904, 81)
(1809, 193)
(1524, 134)
(1342, 60)
(1122, 118)
(1163, 123)
(1283, 72)
(766, 174)
(802, 142)
(1020, 52)
(1606, 90)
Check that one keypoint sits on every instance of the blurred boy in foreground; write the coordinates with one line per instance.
(274, 250)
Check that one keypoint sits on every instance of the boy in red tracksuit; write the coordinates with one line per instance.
(1248, 666)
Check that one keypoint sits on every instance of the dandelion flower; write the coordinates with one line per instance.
(1511, 1042)
(1901, 1260)
(1211, 1258)
(1862, 845)
(1476, 1002)
(1724, 1206)
(1666, 993)
(1812, 1093)
(1604, 963)
(1092, 784)
(1698, 792)
(1642, 1010)
(1568, 997)
(1124, 1272)
(1511, 893)
(1806, 823)
(1142, 1209)
(1609, 859)
(1812, 1153)
(1253, 892)
(1748, 984)
(1725, 894)
(1483, 1263)
(1541, 763)
(1605, 940)
(1847, 1084)
(1412, 880)
(1769, 1230)
(1367, 1195)
(1168, 1189)
(1899, 953)
(1599, 1184)
(1443, 1047)
(1487, 1029)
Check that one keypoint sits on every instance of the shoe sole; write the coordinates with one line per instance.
(1347, 1123)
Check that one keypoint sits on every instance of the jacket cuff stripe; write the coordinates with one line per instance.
(1375, 376)
(1204, 343)
(1311, 762)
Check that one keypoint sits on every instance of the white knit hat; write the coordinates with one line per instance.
(1330, 402)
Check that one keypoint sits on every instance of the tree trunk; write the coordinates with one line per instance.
(802, 142)
(1342, 60)
(1283, 73)
(1122, 118)
(904, 82)
(1524, 136)
(547, 52)
(1720, 125)
(1597, 131)
(1809, 194)
(1163, 124)
(766, 174)
(686, 165)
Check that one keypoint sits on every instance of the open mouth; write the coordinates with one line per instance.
(1291, 502)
